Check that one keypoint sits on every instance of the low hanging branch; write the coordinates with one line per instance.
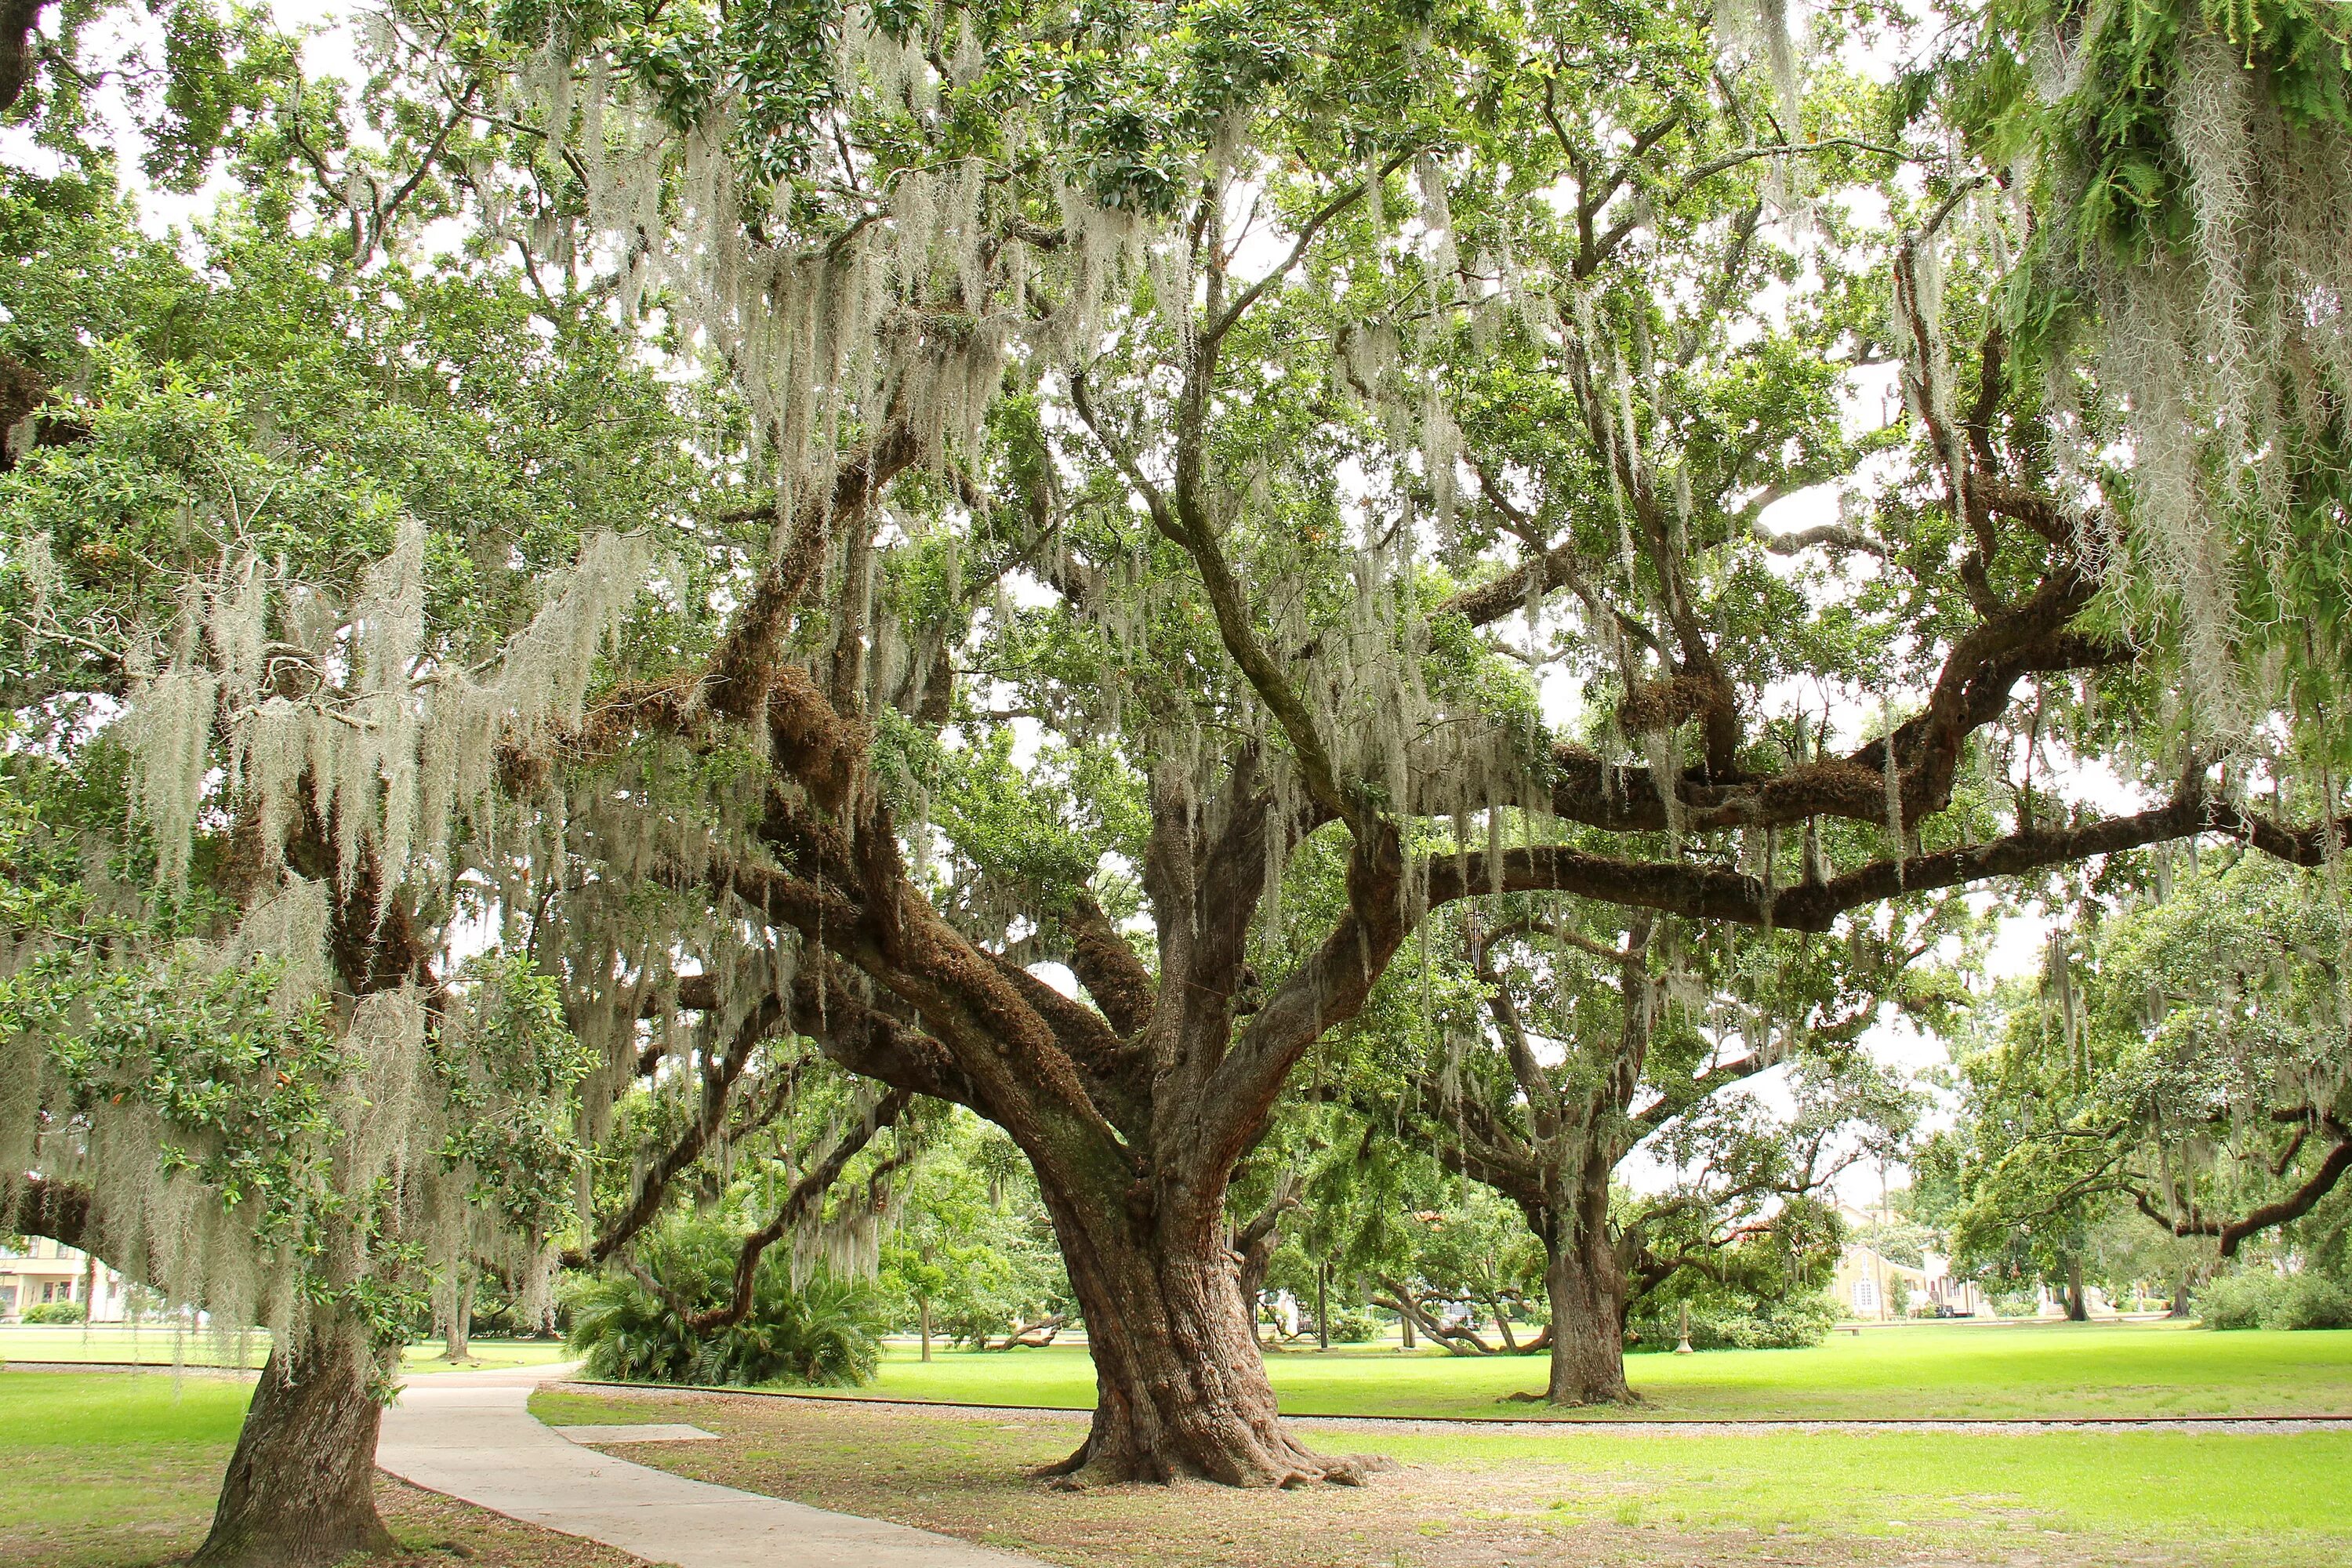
(806, 1193)
(2232, 1233)
(1255, 1244)
(1034, 1335)
(1460, 1339)
(718, 1081)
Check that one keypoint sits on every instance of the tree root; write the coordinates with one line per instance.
(1085, 1470)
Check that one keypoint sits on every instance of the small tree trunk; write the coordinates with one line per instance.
(1587, 1289)
(2180, 1307)
(1181, 1389)
(1406, 1320)
(301, 1489)
(458, 1343)
(1322, 1306)
(923, 1309)
(2078, 1306)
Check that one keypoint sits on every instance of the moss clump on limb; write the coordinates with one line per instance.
(2183, 298)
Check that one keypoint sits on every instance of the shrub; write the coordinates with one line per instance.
(2257, 1299)
(2310, 1301)
(828, 1332)
(2237, 1301)
(1353, 1325)
(1797, 1323)
(56, 1313)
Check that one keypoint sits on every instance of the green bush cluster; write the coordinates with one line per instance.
(2261, 1299)
(826, 1332)
(1795, 1323)
(56, 1313)
(1353, 1325)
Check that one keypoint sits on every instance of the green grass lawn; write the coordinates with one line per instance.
(161, 1346)
(110, 1469)
(121, 1470)
(1572, 1499)
(2226, 1491)
(1913, 1370)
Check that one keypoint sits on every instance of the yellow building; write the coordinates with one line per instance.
(41, 1271)
(1869, 1289)
(1872, 1288)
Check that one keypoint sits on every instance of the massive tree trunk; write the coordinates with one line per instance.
(300, 1489)
(1134, 1111)
(2078, 1305)
(1181, 1389)
(1587, 1289)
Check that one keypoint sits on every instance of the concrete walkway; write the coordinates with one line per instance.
(469, 1435)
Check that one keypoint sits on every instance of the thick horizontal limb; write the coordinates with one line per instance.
(1710, 892)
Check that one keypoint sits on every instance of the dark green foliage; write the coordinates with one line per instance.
(1795, 1322)
(2258, 1298)
(56, 1313)
(828, 1332)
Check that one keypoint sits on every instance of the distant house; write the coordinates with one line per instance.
(1868, 1287)
(1871, 1288)
(41, 1271)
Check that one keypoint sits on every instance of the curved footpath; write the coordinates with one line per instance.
(468, 1434)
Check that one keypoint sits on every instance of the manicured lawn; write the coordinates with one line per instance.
(159, 1346)
(1922, 1370)
(425, 1358)
(121, 1470)
(1582, 1496)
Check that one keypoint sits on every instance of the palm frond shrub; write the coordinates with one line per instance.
(826, 1332)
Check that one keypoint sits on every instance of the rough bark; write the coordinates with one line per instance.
(1180, 1390)
(17, 46)
(1587, 1287)
(301, 1489)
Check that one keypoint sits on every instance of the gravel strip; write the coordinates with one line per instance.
(1556, 1426)
(2017, 1425)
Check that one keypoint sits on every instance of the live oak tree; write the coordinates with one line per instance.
(1151, 384)
(1575, 1037)
(970, 1256)
(2180, 1066)
(1457, 1266)
(294, 548)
